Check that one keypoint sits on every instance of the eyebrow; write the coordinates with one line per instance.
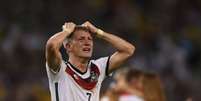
(85, 37)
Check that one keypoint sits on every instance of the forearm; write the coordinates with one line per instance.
(120, 44)
(56, 40)
(53, 55)
(53, 45)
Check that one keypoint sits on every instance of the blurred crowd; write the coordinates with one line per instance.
(166, 34)
(134, 85)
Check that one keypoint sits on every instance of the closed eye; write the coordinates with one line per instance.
(81, 38)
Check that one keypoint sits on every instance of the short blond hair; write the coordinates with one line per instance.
(77, 28)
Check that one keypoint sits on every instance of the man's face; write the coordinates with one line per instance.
(81, 44)
(137, 83)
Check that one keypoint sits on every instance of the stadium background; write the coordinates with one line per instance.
(166, 34)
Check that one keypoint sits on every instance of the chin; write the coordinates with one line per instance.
(87, 56)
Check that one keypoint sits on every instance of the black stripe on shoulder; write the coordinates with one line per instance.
(107, 66)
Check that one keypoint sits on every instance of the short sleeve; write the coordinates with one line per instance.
(103, 65)
(55, 76)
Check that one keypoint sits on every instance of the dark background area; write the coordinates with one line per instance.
(166, 34)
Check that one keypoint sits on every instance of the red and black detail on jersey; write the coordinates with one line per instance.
(88, 83)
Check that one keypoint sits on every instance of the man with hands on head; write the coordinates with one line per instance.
(80, 78)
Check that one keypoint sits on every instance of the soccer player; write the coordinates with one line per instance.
(80, 78)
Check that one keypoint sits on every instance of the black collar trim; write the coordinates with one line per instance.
(77, 70)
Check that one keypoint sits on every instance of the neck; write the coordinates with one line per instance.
(79, 63)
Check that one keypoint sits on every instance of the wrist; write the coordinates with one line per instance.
(100, 32)
(67, 31)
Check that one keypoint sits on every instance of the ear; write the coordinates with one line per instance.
(68, 47)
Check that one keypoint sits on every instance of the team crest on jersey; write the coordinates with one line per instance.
(93, 77)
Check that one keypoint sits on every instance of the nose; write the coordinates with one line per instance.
(87, 42)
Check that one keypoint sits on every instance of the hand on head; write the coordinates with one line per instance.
(68, 27)
(90, 26)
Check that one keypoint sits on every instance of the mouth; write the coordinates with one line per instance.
(86, 49)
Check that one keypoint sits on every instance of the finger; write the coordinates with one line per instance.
(85, 22)
(74, 24)
(66, 25)
(89, 24)
(84, 25)
(63, 27)
(71, 23)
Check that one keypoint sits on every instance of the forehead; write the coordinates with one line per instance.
(81, 33)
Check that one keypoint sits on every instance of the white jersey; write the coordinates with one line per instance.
(69, 84)
(130, 98)
(124, 98)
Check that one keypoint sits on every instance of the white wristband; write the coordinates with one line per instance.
(99, 32)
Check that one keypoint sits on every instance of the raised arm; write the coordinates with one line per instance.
(53, 55)
(124, 48)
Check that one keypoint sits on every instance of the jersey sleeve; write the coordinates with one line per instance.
(55, 76)
(103, 65)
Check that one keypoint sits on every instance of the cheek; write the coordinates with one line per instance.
(77, 44)
(75, 47)
(92, 44)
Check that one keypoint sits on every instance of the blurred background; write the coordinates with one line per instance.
(166, 34)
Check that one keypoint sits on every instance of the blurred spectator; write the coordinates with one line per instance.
(135, 85)
(153, 88)
(127, 87)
